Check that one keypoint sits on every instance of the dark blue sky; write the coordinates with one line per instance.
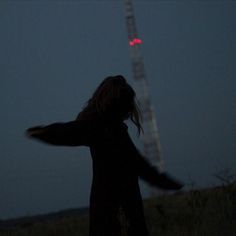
(55, 53)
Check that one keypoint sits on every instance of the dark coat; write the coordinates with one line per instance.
(117, 165)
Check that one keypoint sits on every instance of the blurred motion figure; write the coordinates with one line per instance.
(117, 164)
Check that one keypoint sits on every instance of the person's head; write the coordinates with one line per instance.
(115, 99)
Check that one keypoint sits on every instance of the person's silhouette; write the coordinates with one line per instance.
(117, 164)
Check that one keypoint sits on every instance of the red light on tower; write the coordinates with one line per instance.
(131, 43)
(135, 41)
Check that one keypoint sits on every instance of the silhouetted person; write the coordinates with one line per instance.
(117, 164)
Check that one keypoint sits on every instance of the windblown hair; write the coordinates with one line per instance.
(114, 99)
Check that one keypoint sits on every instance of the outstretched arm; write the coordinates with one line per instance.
(148, 172)
(73, 133)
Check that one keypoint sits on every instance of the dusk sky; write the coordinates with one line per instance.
(53, 54)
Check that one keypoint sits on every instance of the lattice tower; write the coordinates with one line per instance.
(150, 138)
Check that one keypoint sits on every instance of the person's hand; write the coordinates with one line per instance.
(170, 183)
(34, 131)
(178, 185)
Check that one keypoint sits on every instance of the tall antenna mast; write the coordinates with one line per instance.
(150, 138)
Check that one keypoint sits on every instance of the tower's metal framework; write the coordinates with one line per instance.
(150, 138)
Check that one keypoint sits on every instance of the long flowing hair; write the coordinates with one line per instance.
(114, 99)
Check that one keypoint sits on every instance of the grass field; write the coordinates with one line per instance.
(209, 212)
